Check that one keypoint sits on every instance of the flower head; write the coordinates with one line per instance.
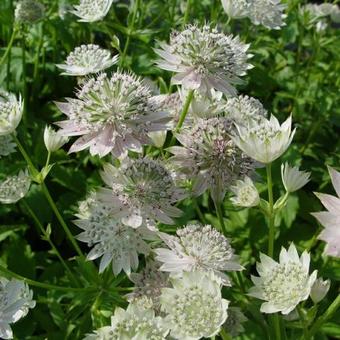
(236, 9)
(111, 240)
(14, 188)
(293, 179)
(320, 289)
(210, 157)
(194, 306)
(10, 112)
(7, 146)
(112, 114)
(233, 324)
(246, 194)
(53, 140)
(264, 141)
(15, 302)
(198, 248)
(141, 190)
(134, 323)
(92, 10)
(29, 11)
(204, 59)
(330, 219)
(87, 59)
(285, 284)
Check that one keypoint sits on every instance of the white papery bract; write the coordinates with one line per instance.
(236, 9)
(87, 59)
(210, 157)
(320, 289)
(285, 284)
(330, 219)
(112, 114)
(111, 240)
(11, 110)
(7, 145)
(14, 188)
(92, 10)
(29, 11)
(233, 324)
(134, 323)
(246, 194)
(198, 248)
(141, 190)
(292, 178)
(266, 140)
(194, 306)
(204, 59)
(15, 302)
(53, 139)
(268, 13)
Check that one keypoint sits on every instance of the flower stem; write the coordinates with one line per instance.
(187, 13)
(9, 273)
(198, 210)
(324, 317)
(271, 235)
(10, 44)
(219, 212)
(303, 322)
(276, 322)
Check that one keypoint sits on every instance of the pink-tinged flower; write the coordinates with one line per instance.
(331, 219)
(112, 114)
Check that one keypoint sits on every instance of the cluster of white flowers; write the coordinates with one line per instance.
(15, 301)
(29, 11)
(317, 14)
(92, 10)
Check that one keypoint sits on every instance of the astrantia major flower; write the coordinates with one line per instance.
(111, 240)
(10, 112)
(7, 145)
(14, 188)
(293, 179)
(330, 219)
(265, 140)
(285, 284)
(320, 289)
(134, 323)
(210, 157)
(198, 248)
(141, 190)
(236, 9)
(92, 10)
(15, 302)
(246, 194)
(194, 306)
(112, 114)
(29, 11)
(204, 58)
(53, 140)
(87, 59)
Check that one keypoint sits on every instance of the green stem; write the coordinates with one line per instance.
(198, 211)
(61, 220)
(324, 317)
(9, 273)
(303, 322)
(187, 13)
(48, 239)
(24, 77)
(219, 213)
(10, 44)
(183, 115)
(48, 159)
(224, 335)
(277, 328)
(271, 235)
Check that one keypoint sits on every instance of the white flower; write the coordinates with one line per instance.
(29, 11)
(331, 219)
(268, 13)
(265, 141)
(10, 112)
(236, 9)
(320, 289)
(134, 323)
(198, 248)
(204, 59)
(15, 302)
(14, 188)
(233, 325)
(246, 194)
(139, 191)
(87, 59)
(111, 240)
(285, 284)
(92, 10)
(53, 140)
(112, 114)
(7, 146)
(194, 306)
(209, 157)
(292, 178)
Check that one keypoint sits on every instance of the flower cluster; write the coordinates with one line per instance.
(92, 10)
(29, 11)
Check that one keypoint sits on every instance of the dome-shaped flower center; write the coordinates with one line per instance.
(87, 56)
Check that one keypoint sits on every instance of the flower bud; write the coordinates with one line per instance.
(29, 11)
(320, 289)
(53, 139)
(293, 179)
(10, 112)
(246, 193)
